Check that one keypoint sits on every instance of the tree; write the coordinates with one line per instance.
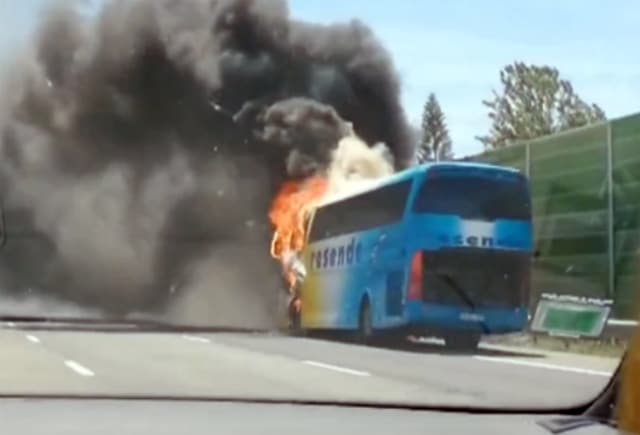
(435, 143)
(534, 102)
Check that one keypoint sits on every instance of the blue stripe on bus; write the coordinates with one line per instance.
(452, 231)
(496, 320)
(343, 267)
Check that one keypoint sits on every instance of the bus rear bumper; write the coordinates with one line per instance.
(484, 320)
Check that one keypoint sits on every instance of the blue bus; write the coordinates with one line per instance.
(441, 248)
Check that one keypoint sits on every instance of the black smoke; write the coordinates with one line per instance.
(140, 149)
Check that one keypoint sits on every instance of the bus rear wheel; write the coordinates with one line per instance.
(466, 341)
(364, 334)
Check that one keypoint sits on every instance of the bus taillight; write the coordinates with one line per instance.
(415, 279)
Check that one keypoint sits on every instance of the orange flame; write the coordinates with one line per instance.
(289, 213)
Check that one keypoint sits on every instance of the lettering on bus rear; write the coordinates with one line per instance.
(478, 241)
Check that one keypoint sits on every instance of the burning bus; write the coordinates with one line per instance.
(441, 247)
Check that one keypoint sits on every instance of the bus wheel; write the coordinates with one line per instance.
(295, 319)
(295, 327)
(365, 323)
(466, 341)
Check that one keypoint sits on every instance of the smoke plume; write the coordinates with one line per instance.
(140, 149)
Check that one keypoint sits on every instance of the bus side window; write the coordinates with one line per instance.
(379, 207)
(318, 225)
(384, 206)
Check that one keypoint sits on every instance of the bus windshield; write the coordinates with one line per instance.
(479, 197)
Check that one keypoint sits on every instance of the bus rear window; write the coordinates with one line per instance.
(475, 197)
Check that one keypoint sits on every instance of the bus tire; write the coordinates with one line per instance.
(295, 325)
(295, 322)
(466, 341)
(364, 334)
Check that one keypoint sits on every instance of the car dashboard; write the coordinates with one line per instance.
(111, 416)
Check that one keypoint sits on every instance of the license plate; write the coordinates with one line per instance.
(472, 317)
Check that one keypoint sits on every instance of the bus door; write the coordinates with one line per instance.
(389, 264)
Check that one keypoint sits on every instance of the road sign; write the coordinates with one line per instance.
(571, 316)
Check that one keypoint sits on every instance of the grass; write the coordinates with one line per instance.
(602, 347)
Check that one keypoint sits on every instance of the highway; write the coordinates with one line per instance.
(271, 366)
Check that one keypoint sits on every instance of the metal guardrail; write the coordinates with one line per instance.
(618, 328)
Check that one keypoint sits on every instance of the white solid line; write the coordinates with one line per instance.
(543, 365)
(336, 368)
(79, 369)
(33, 339)
(198, 339)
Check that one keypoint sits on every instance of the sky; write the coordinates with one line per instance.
(456, 48)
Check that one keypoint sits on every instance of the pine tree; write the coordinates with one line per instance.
(435, 143)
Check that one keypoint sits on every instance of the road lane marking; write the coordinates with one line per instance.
(525, 352)
(543, 365)
(336, 368)
(10, 324)
(195, 338)
(33, 338)
(78, 368)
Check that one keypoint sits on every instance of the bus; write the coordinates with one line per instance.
(442, 248)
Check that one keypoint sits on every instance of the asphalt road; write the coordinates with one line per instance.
(277, 367)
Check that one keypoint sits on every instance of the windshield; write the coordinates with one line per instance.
(428, 202)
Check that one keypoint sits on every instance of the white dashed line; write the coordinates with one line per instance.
(33, 339)
(337, 368)
(198, 339)
(78, 368)
(543, 365)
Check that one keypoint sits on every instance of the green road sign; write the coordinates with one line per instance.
(570, 316)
